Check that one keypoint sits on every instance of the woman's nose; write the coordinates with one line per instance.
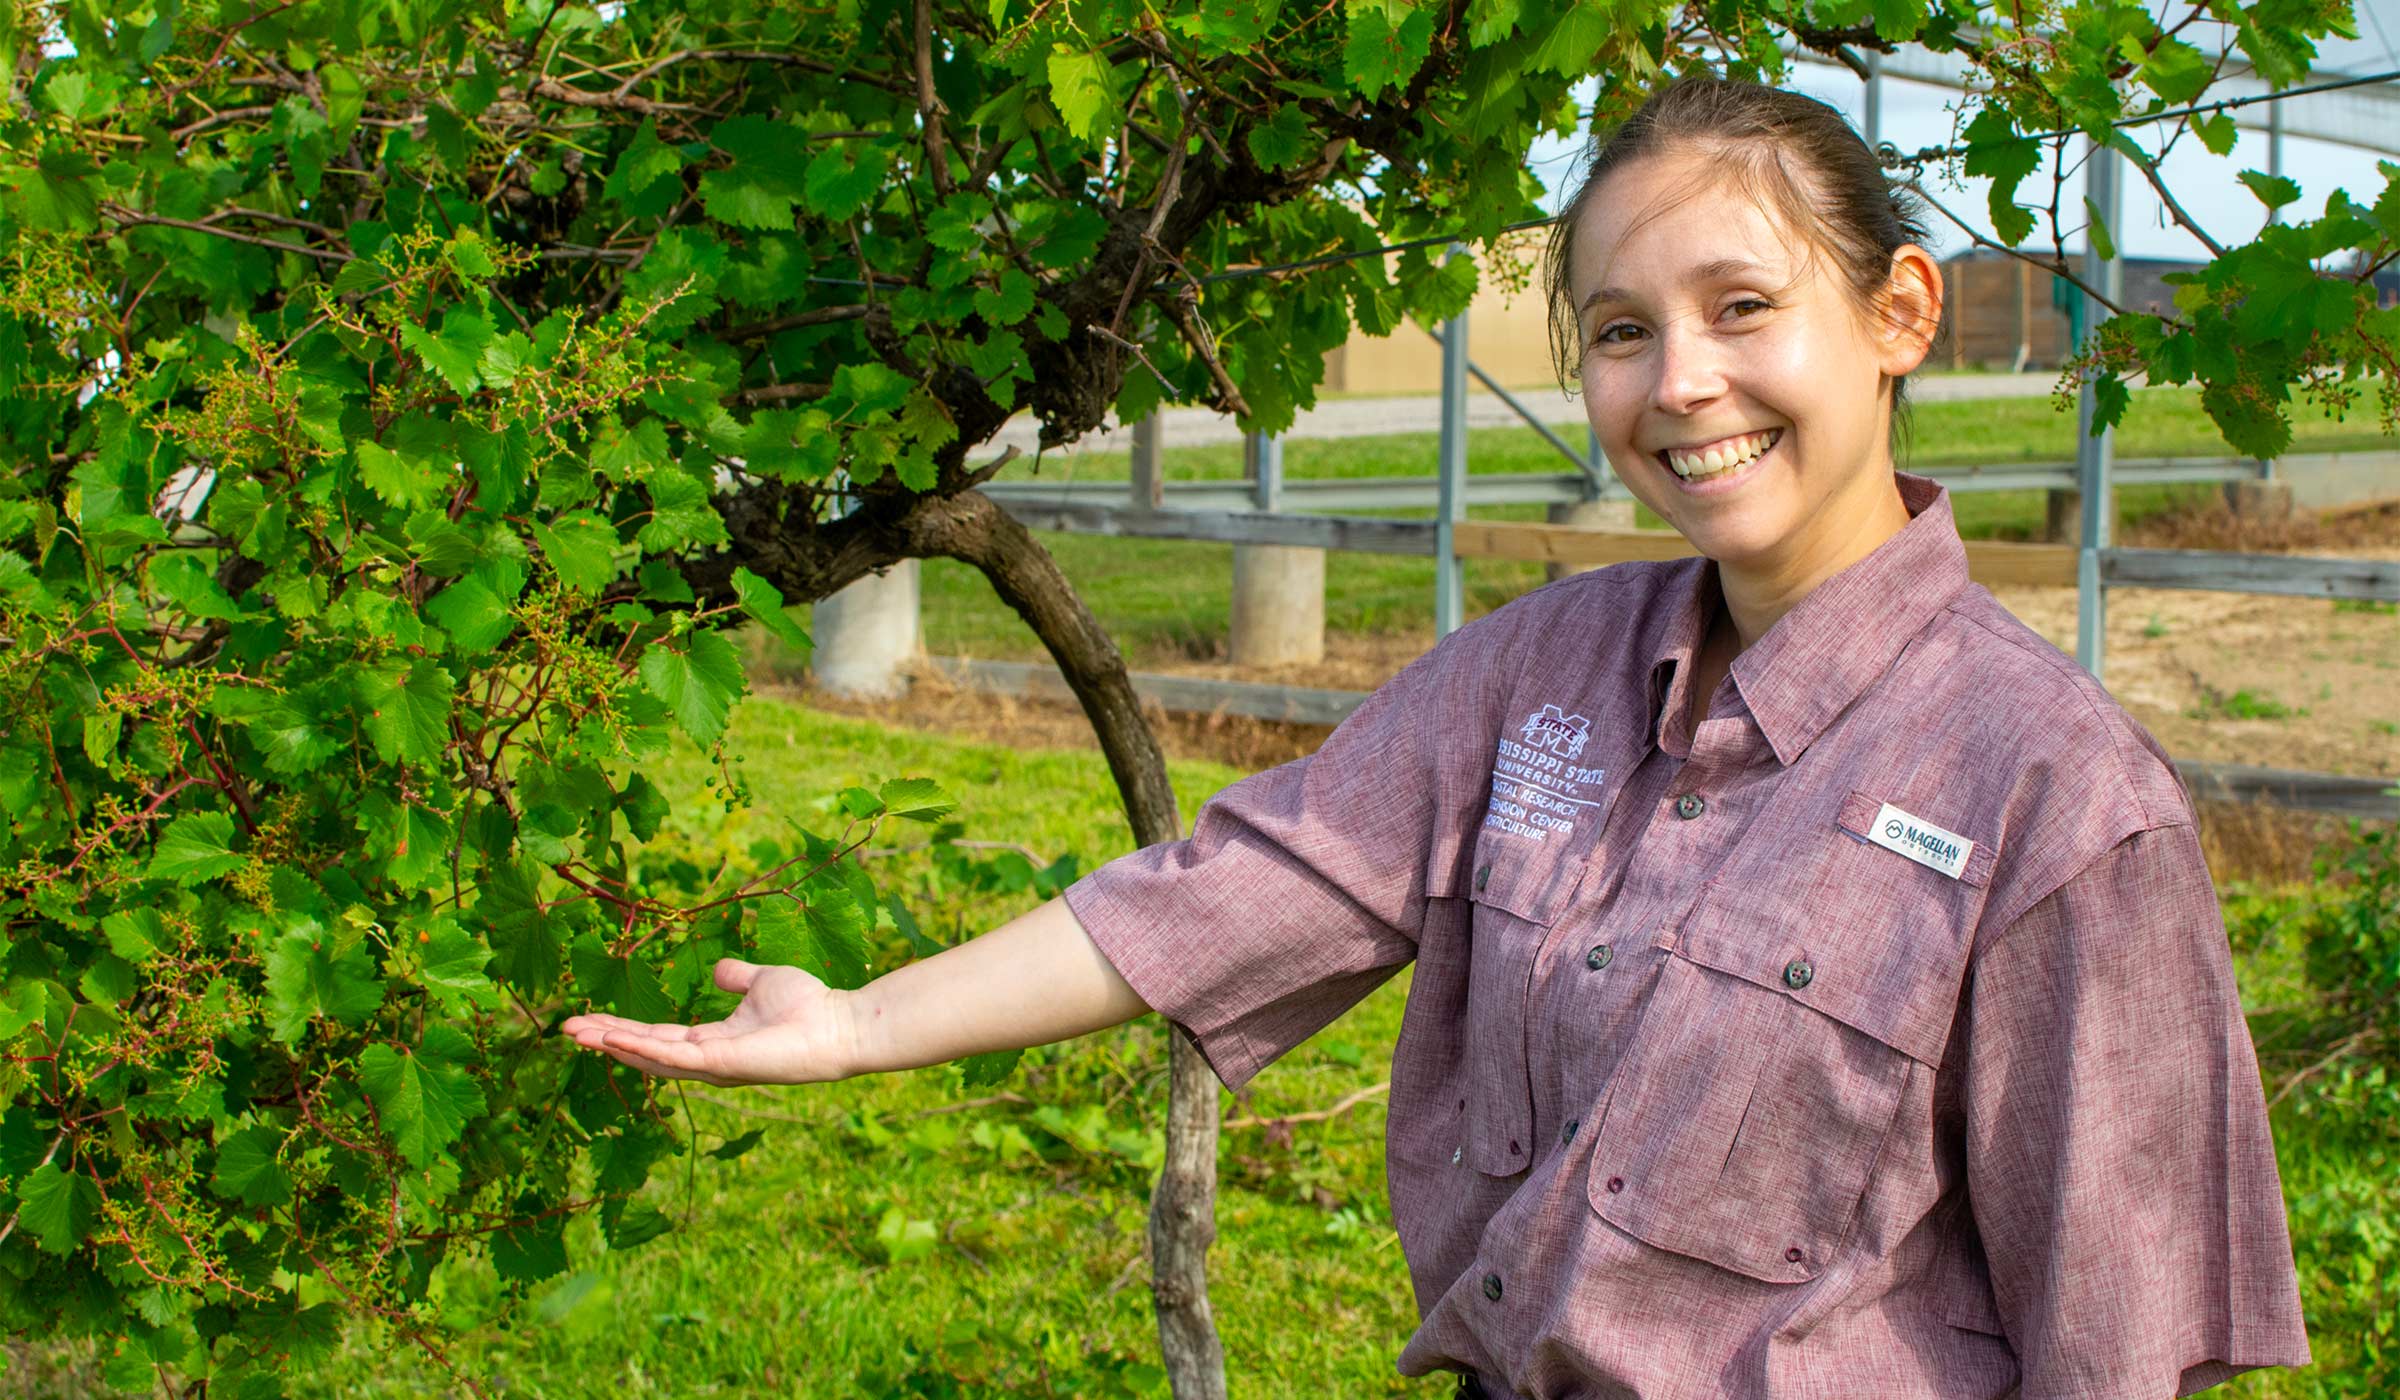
(1690, 369)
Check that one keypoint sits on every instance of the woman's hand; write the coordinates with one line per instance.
(789, 1029)
(1036, 979)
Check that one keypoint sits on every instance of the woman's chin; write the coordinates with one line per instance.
(1728, 537)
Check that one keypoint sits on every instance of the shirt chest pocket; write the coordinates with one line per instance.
(1797, 1007)
(1519, 886)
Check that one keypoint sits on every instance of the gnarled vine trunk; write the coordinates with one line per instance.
(969, 527)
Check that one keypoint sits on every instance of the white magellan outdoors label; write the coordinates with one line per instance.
(1921, 841)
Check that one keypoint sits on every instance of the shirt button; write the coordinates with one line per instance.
(1491, 1287)
(1483, 877)
(1690, 805)
(1798, 973)
(1793, 1254)
(1615, 1184)
(1456, 1153)
(1598, 957)
(1569, 1134)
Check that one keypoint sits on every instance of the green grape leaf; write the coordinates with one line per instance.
(451, 967)
(581, 549)
(247, 1170)
(1082, 88)
(21, 1005)
(407, 709)
(397, 479)
(2274, 191)
(2176, 71)
(987, 1069)
(1568, 48)
(1009, 303)
(763, 602)
(733, 1148)
(475, 610)
(413, 841)
(698, 682)
(1285, 137)
(1998, 151)
(825, 935)
(2216, 132)
(629, 454)
(188, 584)
(310, 975)
(196, 846)
(57, 1207)
(844, 179)
(917, 799)
(424, 1098)
(135, 935)
(643, 806)
(289, 729)
(680, 515)
(635, 1223)
(55, 194)
(456, 352)
(645, 161)
(532, 1247)
(740, 198)
(525, 934)
(2096, 229)
(628, 986)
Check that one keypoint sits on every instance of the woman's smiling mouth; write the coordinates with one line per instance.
(1718, 457)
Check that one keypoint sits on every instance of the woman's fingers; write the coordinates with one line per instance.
(734, 975)
(675, 1059)
(600, 1022)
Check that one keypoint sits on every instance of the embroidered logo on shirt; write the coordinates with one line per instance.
(1554, 729)
(1537, 788)
(1921, 841)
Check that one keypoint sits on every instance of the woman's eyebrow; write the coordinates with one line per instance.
(1704, 272)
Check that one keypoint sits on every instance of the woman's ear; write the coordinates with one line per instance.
(1912, 310)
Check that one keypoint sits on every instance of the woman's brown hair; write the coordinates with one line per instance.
(1796, 156)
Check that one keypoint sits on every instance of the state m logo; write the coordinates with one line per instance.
(1554, 729)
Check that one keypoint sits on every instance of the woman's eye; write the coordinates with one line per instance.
(1600, 336)
(1748, 301)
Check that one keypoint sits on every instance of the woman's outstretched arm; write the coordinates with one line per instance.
(1036, 979)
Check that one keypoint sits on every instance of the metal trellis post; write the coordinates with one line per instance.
(1449, 573)
(2266, 465)
(1874, 131)
(2093, 455)
(1265, 460)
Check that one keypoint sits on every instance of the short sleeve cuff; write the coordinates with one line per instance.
(1146, 957)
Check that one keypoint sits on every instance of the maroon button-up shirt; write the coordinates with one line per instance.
(1875, 1037)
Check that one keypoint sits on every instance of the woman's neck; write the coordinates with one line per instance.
(1758, 592)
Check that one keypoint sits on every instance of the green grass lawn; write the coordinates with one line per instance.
(1025, 1274)
(1168, 599)
(779, 1286)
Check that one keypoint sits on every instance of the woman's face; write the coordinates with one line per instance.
(1707, 330)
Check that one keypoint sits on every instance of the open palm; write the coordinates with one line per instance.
(789, 1029)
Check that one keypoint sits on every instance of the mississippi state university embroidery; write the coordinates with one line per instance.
(1537, 787)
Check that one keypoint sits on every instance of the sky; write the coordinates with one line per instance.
(1917, 114)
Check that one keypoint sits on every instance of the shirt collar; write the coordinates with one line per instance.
(1822, 655)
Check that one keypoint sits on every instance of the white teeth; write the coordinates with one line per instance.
(1722, 457)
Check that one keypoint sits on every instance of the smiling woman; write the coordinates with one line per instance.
(1816, 973)
(1742, 321)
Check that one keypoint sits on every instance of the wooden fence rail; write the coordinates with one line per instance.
(2334, 793)
(1989, 562)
